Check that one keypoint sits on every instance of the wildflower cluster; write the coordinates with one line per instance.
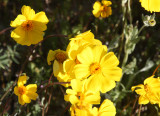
(25, 93)
(86, 68)
(149, 91)
(90, 69)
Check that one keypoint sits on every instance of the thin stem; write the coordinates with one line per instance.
(141, 29)
(50, 84)
(156, 69)
(129, 10)
(139, 112)
(6, 29)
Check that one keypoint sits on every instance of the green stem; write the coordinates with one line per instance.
(129, 11)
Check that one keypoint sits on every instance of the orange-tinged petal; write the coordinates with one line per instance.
(16, 91)
(106, 3)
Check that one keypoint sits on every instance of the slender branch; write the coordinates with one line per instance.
(50, 84)
(156, 69)
(6, 29)
(139, 112)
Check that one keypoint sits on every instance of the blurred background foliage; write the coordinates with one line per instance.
(138, 52)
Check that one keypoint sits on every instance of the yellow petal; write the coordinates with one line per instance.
(16, 91)
(28, 12)
(86, 56)
(18, 21)
(34, 37)
(107, 108)
(20, 100)
(109, 60)
(31, 87)
(92, 97)
(81, 71)
(41, 17)
(18, 34)
(57, 68)
(106, 3)
(32, 95)
(106, 13)
(152, 6)
(106, 85)
(76, 85)
(22, 80)
(98, 52)
(114, 73)
(39, 26)
(143, 100)
(137, 86)
(97, 5)
(51, 56)
(25, 98)
(96, 13)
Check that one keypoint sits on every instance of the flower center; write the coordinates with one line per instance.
(22, 90)
(27, 25)
(61, 57)
(95, 68)
(147, 88)
(77, 61)
(103, 8)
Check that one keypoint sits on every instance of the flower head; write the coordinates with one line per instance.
(25, 93)
(151, 5)
(99, 67)
(104, 10)
(29, 26)
(148, 91)
(80, 96)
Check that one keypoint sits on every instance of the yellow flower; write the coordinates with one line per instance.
(58, 56)
(86, 38)
(148, 91)
(151, 5)
(29, 26)
(100, 67)
(106, 109)
(80, 96)
(104, 10)
(25, 93)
